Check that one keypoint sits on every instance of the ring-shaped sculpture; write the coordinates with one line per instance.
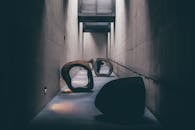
(65, 72)
(97, 66)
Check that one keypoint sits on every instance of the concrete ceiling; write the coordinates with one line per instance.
(96, 15)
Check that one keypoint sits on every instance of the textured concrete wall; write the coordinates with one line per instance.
(49, 51)
(95, 45)
(72, 44)
(155, 39)
(36, 41)
(73, 37)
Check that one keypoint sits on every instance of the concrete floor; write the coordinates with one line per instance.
(76, 111)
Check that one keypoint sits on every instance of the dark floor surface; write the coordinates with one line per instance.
(76, 111)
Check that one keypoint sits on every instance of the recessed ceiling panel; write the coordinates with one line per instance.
(97, 7)
(104, 7)
(88, 6)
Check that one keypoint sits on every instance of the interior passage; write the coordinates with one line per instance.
(151, 39)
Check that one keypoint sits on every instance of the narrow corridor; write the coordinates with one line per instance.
(151, 39)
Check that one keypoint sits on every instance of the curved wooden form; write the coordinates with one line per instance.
(91, 61)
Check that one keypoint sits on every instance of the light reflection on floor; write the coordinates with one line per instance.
(62, 107)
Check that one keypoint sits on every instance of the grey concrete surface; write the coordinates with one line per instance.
(77, 111)
(95, 45)
(73, 47)
(155, 38)
(36, 41)
(50, 45)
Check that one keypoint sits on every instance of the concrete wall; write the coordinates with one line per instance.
(36, 42)
(95, 45)
(72, 35)
(73, 47)
(155, 40)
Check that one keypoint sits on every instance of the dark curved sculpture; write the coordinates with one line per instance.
(65, 72)
(122, 99)
(97, 67)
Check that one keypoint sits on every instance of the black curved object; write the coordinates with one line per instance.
(65, 72)
(122, 99)
(97, 67)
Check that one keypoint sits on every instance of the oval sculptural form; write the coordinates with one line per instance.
(122, 99)
(65, 72)
(97, 66)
